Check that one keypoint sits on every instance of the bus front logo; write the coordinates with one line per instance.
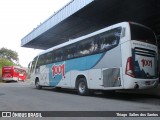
(58, 70)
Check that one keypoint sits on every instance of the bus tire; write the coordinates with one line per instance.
(38, 86)
(82, 87)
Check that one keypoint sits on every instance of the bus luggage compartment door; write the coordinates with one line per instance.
(111, 77)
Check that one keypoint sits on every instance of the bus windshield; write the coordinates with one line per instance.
(142, 34)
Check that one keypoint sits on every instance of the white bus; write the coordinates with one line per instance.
(122, 56)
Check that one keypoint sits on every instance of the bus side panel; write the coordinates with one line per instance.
(126, 53)
(65, 73)
(15, 74)
(95, 79)
(65, 81)
(58, 74)
(112, 78)
(111, 59)
(73, 68)
(110, 64)
(43, 75)
(75, 74)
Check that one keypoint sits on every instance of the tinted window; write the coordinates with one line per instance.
(41, 60)
(109, 39)
(85, 47)
(16, 70)
(93, 45)
(33, 64)
(99, 43)
(142, 34)
(58, 55)
(70, 51)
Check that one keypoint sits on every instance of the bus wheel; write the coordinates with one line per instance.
(37, 84)
(82, 87)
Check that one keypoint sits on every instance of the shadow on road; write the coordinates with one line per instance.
(133, 97)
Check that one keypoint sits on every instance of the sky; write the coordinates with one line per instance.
(20, 17)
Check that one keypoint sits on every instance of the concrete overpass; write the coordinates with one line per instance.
(80, 17)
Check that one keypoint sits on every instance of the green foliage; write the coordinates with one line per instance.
(9, 55)
(7, 58)
(5, 62)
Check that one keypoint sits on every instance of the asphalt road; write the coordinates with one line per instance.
(22, 96)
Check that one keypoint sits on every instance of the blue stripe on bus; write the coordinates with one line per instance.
(79, 64)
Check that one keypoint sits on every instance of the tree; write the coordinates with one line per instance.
(5, 62)
(9, 55)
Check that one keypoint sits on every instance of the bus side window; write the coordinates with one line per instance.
(33, 65)
(53, 56)
(97, 44)
(92, 46)
(71, 51)
(58, 55)
(84, 48)
(48, 58)
(87, 47)
(37, 67)
(109, 39)
(15, 70)
(63, 54)
(40, 61)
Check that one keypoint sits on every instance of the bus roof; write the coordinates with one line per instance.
(90, 35)
(83, 37)
(14, 67)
